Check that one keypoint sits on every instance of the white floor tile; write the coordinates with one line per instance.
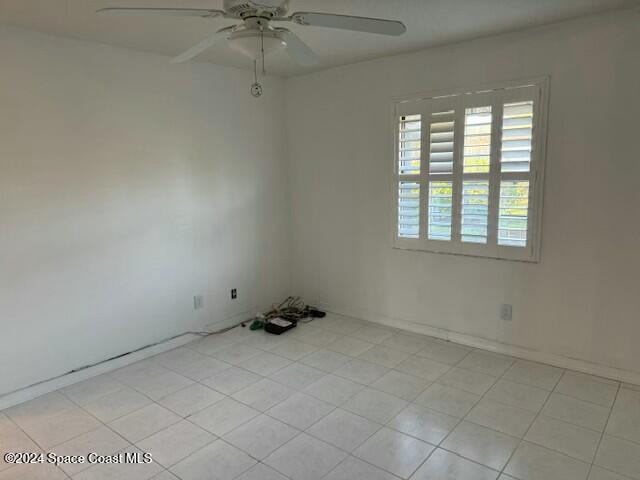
(144, 422)
(262, 340)
(117, 404)
(488, 363)
(532, 462)
(217, 461)
(576, 411)
(577, 442)
(385, 356)
(158, 386)
(318, 337)
(166, 475)
(362, 372)
(447, 400)
(599, 473)
(12, 439)
(407, 343)
(503, 418)
(33, 472)
(443, 465)
(263, 395)
(204, 368)
(444, 352)
(89, 390)
(302, 330)
(224, 416)
(265, 363)
(310, 372)
(261, 436)
(305, 458)
(344, 429)
(34, 410)
(297, 376)
(52, 430)
(102, 441)
(176, 442)
(300, 410)
(178, 358)
(620, 456)
(377, 406)
(190, 400)
(423, 423)
(394, 452)
(123, 470)
(261, 472)
(355, 469)
(232, 380)
(293, 350)
(536, 374)
(237, 334)
(480, 444)
(625, 417)
(588, 388)
(326, 360)
(236, 354)
(338, 324)
(139, 372)
(372, 334)
(518, 395)
(333, 389)
(423, 367)
(210, 345)
(401, 385)
(467, 380)
(350, 346)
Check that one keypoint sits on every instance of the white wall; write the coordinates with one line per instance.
(128, 185)
(583, 299)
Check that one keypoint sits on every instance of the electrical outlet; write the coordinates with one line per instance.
(234, 294)
(198, 302)
(506, 312)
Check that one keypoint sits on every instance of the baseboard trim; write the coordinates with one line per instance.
(29, 393)
(579, 365)
(48, 386)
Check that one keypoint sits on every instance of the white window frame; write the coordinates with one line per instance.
(536, 89)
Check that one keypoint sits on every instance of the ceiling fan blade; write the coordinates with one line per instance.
(180, 12)
(348, 22)
(299, 50)
(202, 46)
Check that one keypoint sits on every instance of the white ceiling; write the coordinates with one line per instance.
(429, 22)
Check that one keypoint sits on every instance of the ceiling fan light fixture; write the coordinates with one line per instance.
(251, 44)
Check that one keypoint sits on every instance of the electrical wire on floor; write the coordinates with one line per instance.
(293, 309)
(79, 369)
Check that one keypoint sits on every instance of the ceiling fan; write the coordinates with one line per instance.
(256, 37)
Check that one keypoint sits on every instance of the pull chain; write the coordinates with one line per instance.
(256, 88)
(255, 71)
(264, 70)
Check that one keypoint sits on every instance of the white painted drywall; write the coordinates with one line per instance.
(128, 185)
(583, 299)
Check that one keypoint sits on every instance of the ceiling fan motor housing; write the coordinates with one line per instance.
(255, 37)
(249, 8)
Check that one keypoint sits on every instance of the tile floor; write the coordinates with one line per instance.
(336, 399)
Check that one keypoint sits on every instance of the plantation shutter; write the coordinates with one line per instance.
(466, 173)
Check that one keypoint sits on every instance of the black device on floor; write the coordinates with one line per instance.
(278, 326)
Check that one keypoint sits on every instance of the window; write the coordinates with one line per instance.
(468, 171)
